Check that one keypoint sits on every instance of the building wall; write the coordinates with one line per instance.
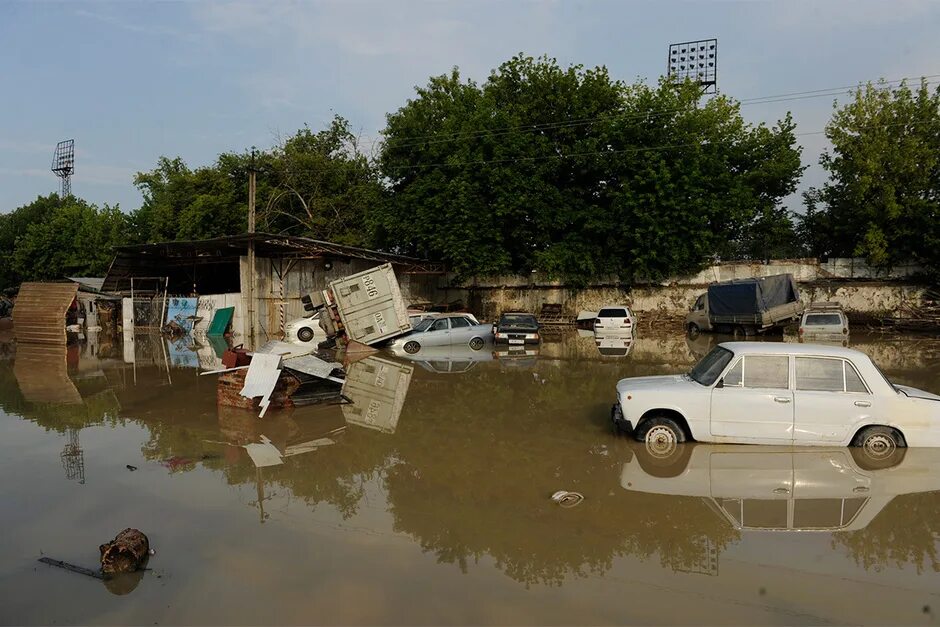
(863, 291)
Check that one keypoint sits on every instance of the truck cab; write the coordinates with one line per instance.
(697, 319)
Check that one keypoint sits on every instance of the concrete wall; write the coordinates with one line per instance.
(848, 281)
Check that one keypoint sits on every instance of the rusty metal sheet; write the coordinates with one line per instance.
(39, 312)
(314, 366)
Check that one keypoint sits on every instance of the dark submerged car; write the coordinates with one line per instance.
(516, 328)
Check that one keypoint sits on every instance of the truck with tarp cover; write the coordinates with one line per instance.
(746, 306)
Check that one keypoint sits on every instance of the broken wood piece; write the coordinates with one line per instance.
(202, 374)
(81, 570)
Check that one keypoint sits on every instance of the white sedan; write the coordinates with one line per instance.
(775, 393)
(444, 330)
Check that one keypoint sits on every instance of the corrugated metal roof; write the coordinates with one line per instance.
(39, 312)
(95, 283)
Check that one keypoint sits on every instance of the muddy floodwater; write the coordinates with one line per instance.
(427, 500)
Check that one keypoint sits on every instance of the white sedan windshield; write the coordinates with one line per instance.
(711, 366)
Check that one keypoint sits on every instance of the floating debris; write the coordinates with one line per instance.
(128, 552)
(567, 499)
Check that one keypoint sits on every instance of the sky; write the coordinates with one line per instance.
(132, 81)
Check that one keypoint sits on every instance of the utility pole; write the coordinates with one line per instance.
(251, 250)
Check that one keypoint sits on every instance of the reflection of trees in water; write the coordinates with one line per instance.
(96, 405)
(906, 531)
(479, 456)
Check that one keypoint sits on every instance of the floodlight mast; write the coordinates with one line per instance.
(63, 164)
(696, 61)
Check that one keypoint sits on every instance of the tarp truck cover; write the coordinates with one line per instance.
(751, 296)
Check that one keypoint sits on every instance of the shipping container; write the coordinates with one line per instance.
(370, 305)
(377, 389)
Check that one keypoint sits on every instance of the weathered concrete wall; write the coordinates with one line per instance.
(672, 298)
(862, 300)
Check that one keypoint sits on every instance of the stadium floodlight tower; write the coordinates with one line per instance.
(63, 164)
(696, 61)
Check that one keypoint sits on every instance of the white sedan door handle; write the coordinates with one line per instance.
(863, 403)
(782, 399)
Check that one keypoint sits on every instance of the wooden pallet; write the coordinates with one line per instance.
(553, 313)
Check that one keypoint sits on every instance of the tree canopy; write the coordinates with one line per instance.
(316, 184)
(54, 237)
(882, 200)
(568, 171)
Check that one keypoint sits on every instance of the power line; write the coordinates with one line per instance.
(605, 153)
(437, 138)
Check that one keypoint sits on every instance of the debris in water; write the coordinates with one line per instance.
(127, 553)
(567, 499)
(72, 567)
(131, 468)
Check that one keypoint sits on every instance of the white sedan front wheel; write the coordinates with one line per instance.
(662, 435)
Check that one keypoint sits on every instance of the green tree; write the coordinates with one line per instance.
(317, 184)
(882, 200)
(573, 173)
(14, 224)
(73, 239)
(180, 203)
(320, 185)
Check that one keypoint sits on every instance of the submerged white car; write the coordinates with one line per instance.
(775, 393)
(444, 330)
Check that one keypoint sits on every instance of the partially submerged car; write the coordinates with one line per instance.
(516, 328)
(304, 330)
(824, 321)
(444, 330)
(615, 319)
(776, 393)
(764, 488)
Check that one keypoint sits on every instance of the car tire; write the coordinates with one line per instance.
(878, 442)
(661, 435)
(304, 334)
(476, 343)
(866, 461)
(693, 329)
(411, 347)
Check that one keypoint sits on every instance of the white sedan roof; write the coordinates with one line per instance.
(781, 348)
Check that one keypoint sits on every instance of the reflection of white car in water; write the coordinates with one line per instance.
(786, 489)
(444, 330)
(613, 344)
(774, 393)
(449, 359)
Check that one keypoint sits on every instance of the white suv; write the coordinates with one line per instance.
(615, 319)
(824, 321)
